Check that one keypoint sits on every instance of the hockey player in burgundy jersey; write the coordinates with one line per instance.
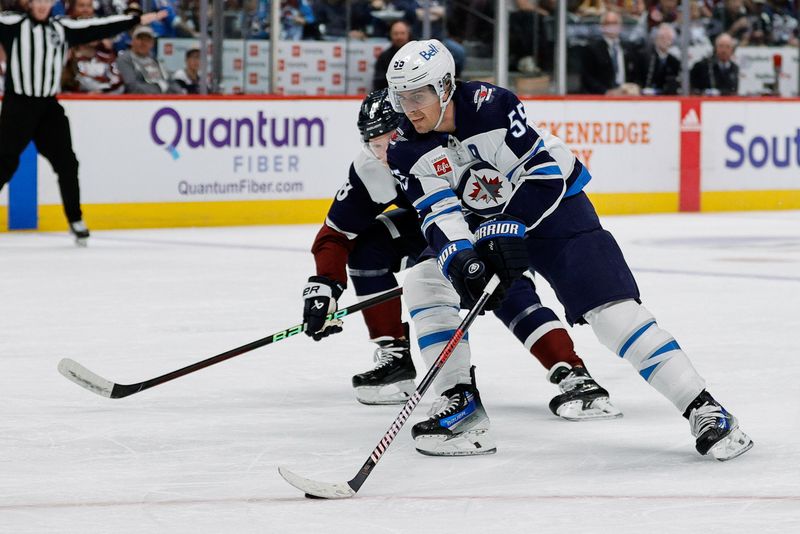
(374, 244)
(497, 195)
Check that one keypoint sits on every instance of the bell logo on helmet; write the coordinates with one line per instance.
(430, 52)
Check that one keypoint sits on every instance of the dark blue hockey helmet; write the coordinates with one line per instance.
(376, 116)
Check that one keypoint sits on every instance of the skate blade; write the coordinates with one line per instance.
(470, 443)
(81, 242)
(731, 446)
(600, 409)
(396, 393)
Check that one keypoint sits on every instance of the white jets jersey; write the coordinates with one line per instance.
(494, 164)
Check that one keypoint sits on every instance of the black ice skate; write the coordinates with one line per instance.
(458, 425)
(717, 431)
(80, 231)
(581, 398)
(391, 381)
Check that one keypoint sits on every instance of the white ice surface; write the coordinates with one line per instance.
(200, 454)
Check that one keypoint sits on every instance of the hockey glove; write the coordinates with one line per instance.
(500, 243)
(319, 300)
(468, 274)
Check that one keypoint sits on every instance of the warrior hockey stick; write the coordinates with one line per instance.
(344, 490)
(82, 376)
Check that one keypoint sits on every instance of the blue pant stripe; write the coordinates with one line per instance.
(646, 372)
(414, 312)
(631, 340)
(437, 337)
(672, 345)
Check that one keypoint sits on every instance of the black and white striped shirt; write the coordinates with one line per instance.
(37, 50)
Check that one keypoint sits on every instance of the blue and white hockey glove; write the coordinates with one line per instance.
(500, 244)
(319, 299)
(460, 263)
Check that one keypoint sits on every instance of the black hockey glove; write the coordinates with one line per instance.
(319, 299)
(469, 277)
(500, 243)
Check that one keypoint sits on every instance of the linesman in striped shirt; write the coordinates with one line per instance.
(36, 47)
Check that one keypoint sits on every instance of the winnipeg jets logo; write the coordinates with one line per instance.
(482, 95)
(483, 189)
(486, 189)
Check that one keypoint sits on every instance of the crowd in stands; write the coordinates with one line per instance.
(616, 46)
(626, 47)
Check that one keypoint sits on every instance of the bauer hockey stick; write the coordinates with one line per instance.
(77, 373)
(344, 490)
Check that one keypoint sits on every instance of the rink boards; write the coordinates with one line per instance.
(182, 161)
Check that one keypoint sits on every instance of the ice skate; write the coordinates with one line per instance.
(80, 231)
(458, 425)
(581, 398)
(391, 381)
(717, 431)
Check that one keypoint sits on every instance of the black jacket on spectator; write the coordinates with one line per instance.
(709, 74)
(663, 76)
(597, 74)
(381, 66)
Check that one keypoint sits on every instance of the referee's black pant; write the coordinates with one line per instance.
(42, 120)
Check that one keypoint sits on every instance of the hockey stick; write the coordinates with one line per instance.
(344, 490)
(82, 376)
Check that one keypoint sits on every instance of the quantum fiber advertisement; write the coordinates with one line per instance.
(196, 151)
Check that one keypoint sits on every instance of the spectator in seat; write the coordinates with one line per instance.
(438, 30)
(730, 17)
(659, 71)
(607, 68)
(717, 75)
(663, 11)
(123, 40)
(332, 18)
(295, 16)
(399, 34)
(772, 23)
(140, 72)
(90, 67)
(188, 78)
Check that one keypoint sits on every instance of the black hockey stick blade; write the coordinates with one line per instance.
(80, 375)
(344, 490)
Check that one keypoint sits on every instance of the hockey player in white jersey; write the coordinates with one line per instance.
(497, 195)
(360, 235)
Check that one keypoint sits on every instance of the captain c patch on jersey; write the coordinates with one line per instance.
(484, 189)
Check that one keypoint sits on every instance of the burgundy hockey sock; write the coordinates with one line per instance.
(554, 347)
(384, 320)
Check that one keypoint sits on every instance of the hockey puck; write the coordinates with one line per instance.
(309, 496)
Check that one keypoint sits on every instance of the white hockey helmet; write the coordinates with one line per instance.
(418, 64)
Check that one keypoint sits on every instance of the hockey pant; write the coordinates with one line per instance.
(391, 244)
(586, 268)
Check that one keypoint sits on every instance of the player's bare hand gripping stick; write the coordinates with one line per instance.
(85, 378)
(343, 490)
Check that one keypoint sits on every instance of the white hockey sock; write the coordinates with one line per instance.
(434, 306)
(628, 329)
